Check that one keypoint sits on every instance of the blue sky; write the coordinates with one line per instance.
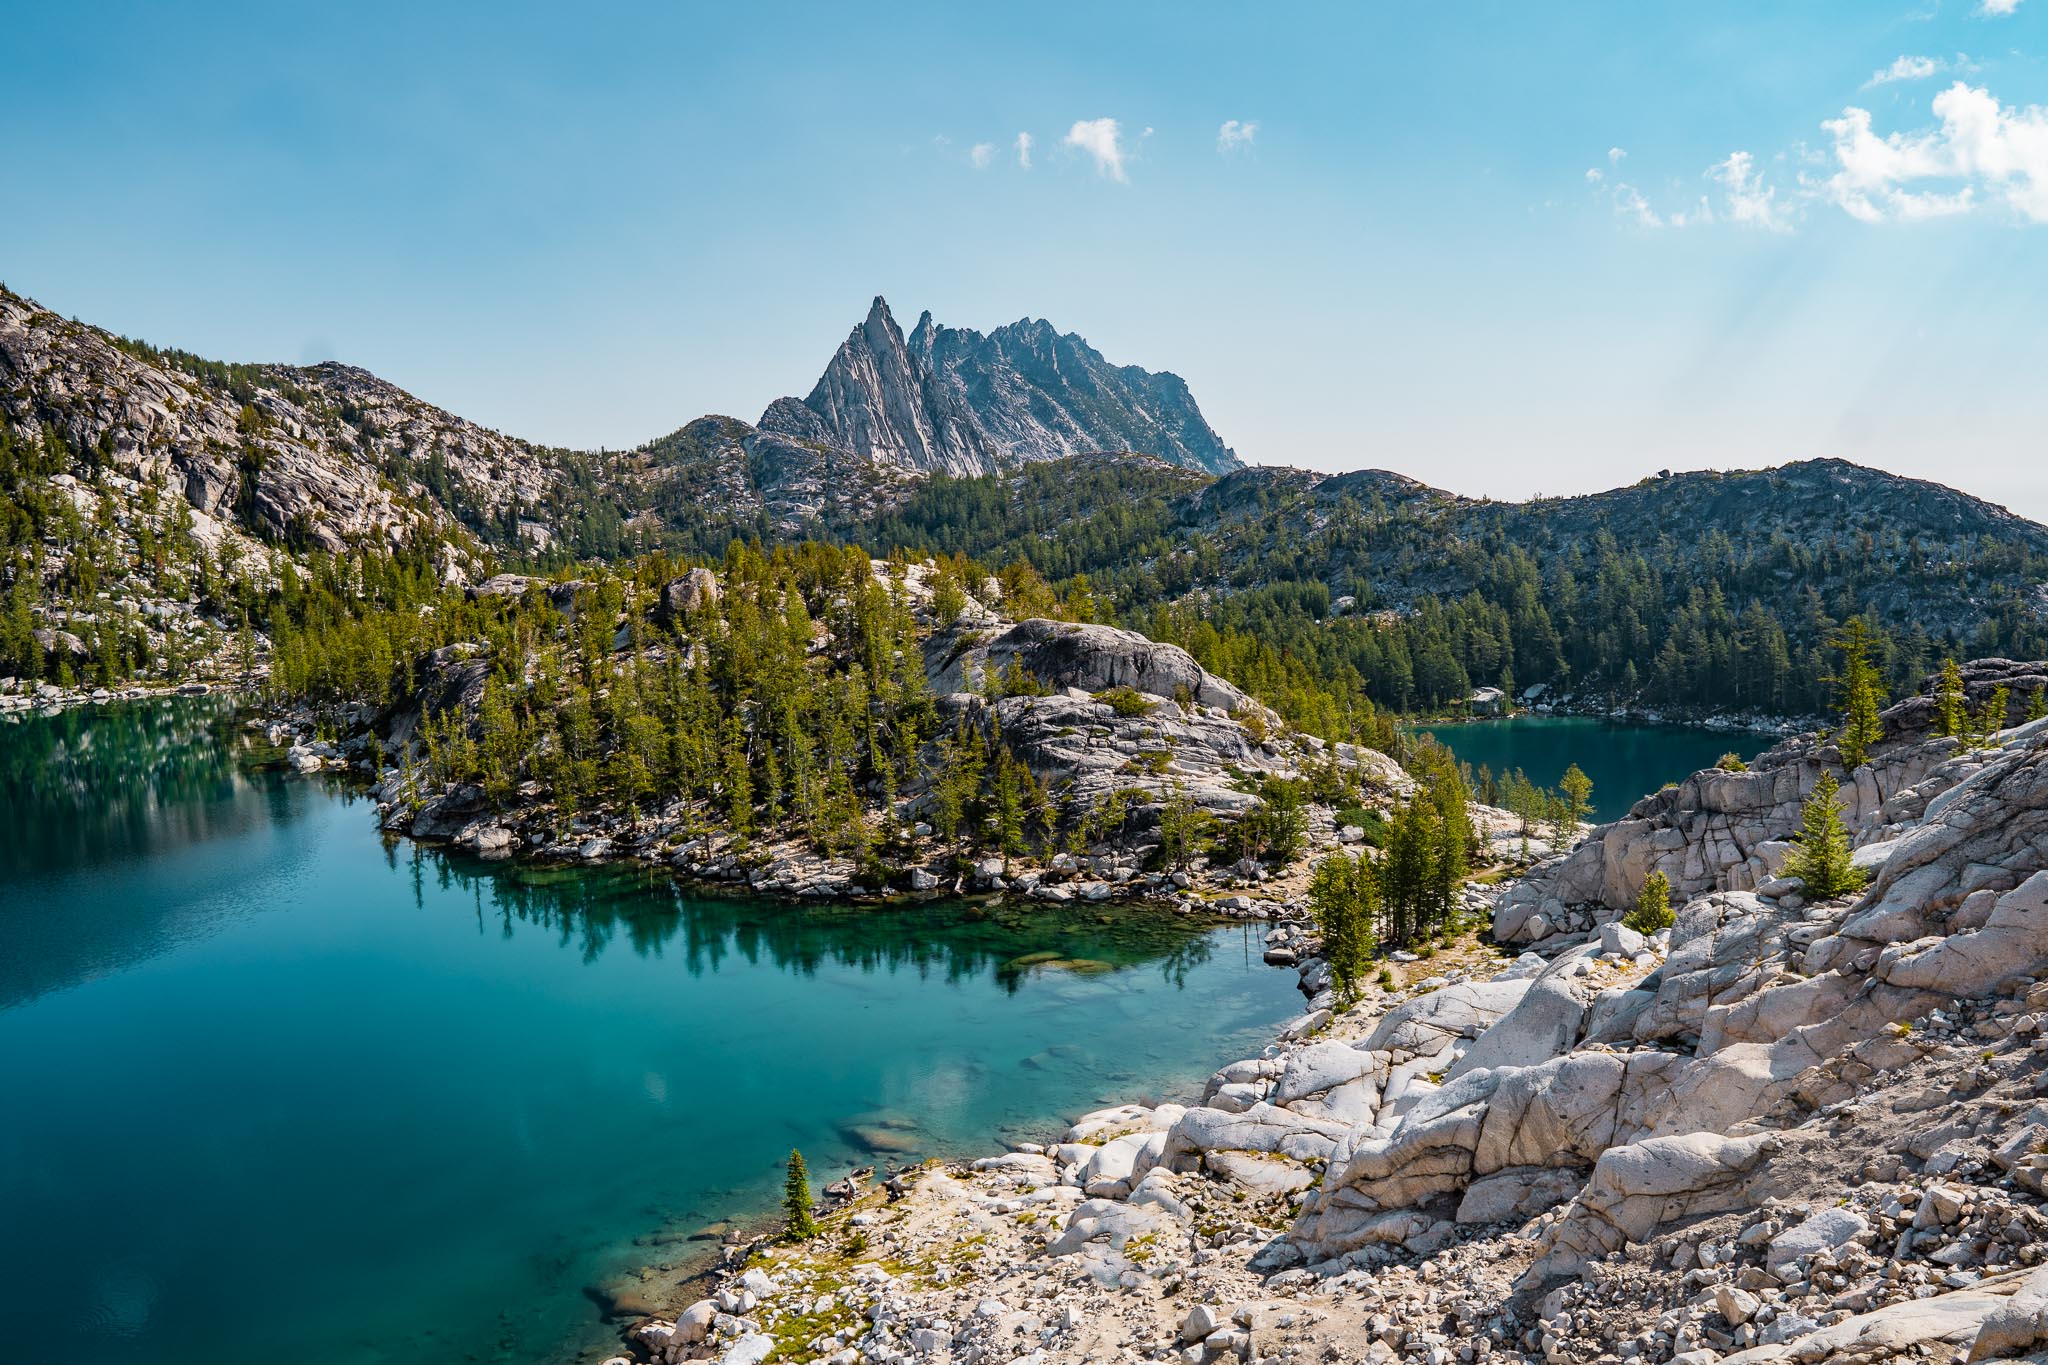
(1501, 247)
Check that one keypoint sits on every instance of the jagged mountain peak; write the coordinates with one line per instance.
(958, 401)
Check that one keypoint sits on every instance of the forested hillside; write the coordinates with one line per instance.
(1706, 591)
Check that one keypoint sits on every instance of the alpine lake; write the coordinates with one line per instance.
(275, 1087)
(1626, 760)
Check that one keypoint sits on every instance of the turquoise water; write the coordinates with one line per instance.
(1626, 762)
(272, 1089)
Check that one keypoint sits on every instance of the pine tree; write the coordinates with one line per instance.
(1344, 896)
(801, 1224)
(1652, 910)
(1578, 794)
(1857, 694)
(1821, 860)
(2037, 704)
(1949, 715)
(1184, 829)
(1990, 717)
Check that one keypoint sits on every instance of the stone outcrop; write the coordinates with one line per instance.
(1171, 727)
(1090, 658)
(1656, 1098)
(1730, 831)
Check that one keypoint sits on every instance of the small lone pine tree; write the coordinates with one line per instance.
(2037, 704)
(796, 1200)
(1578, 794)
(1652, 910)
(1822, 859)
(1949, 715)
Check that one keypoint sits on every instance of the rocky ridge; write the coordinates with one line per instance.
(1777, 1132)
(324, 455)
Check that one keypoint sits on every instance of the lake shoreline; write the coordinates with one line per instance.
(541, 1031)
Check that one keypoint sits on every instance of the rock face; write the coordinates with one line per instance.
(1729, 831)
(1651, 1092)
(1176, 728)
(322, 454)
(1093, 658)
(953, 401)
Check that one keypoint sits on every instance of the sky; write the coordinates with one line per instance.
(1508, 249)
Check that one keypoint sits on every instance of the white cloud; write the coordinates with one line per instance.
(1907, 69)
(1235, 136)
(1629, 203)
(1594, 175)
(1101, 138)
(1981, 151)
(1748, 199)
(1024, 150)
(981, 153)
(1615, 156)
(1998, 8)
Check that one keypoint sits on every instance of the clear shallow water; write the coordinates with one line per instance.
(271, 1089)
(1626, 762)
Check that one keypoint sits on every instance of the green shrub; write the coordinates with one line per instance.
(1125, 701)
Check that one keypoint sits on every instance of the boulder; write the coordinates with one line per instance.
(1638, 1188)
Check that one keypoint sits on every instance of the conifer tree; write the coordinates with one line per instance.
(2037, 704)
(801, 1224)
(1990, 717)
(1578, 794)
(1184, 829)
(1948, 700)
(1652, 910)
(1344, 896)
(1821, 860)
(1857, 694)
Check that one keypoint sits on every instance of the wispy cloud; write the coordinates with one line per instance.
(1998, 9)
(1235, 136)
(980, 154)
(1746, 199)
(1907, 69)
(1616, 155)
(1630, 204)
(1101, 139)
(1024, 141)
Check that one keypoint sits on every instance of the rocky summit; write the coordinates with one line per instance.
(953, 401)
(1782, 1130)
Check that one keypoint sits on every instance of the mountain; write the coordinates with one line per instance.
(953, 401)
(147, 495)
